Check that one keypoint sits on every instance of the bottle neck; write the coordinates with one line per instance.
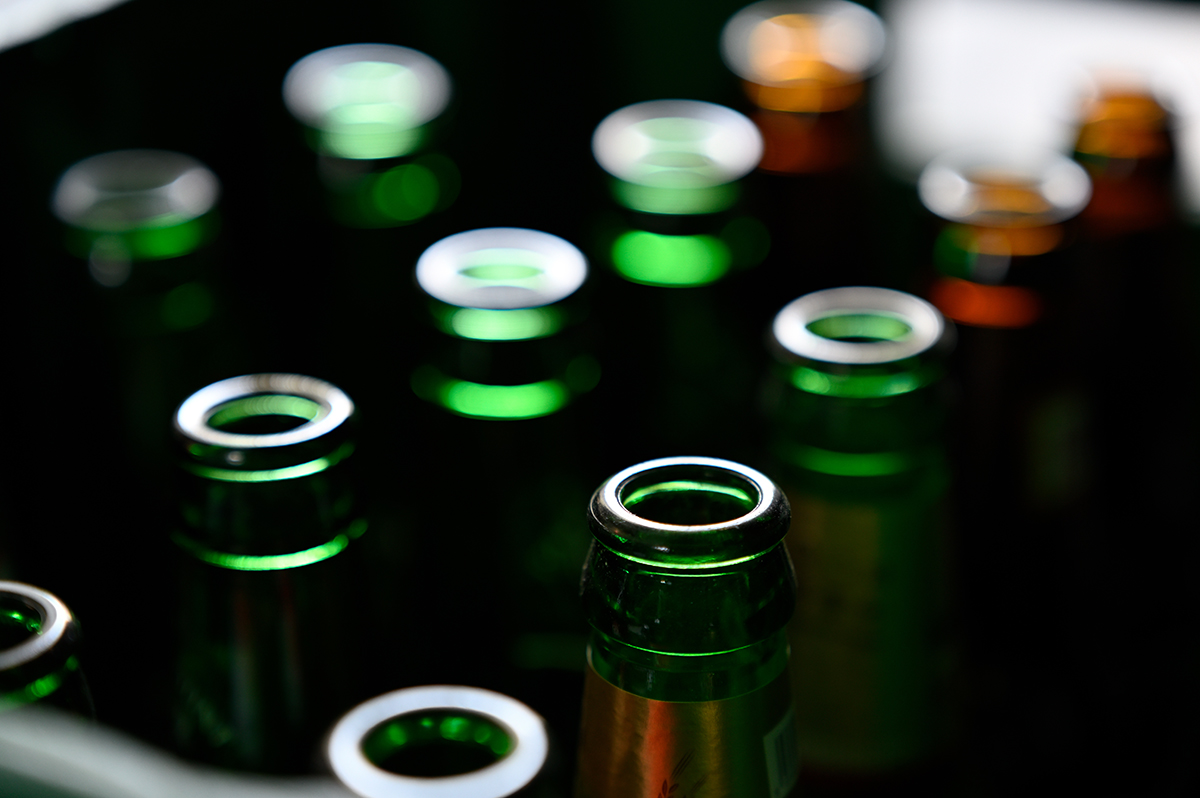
(858, 420)
(685, 612)
(674, 677)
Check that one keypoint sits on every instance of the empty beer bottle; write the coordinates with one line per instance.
(857, 413)
(142, 220)
(424, 742)
(687, 588)
(675, 167)
(1022, 433)
(267, 590)
(1132, 263)
(39, 651)
(507, 375)
(370, 111)
(804, 67)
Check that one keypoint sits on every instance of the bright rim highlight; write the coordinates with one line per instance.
(677, 144)
(367, 101)
(501, 268)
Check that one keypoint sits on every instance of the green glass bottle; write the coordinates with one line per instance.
(858, 412)
(688, 588)
(680, 247)
(268, 595)
(142, 220)
(39, 652)
(371, 111)
(506, 381)
(440, 741)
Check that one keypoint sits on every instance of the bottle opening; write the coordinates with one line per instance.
(688, 512)
(368, 101)
(262, 411)
(20, 620)
(688, 496)
(803, 55)
(1004, 189)
(676, 146)
(857, 325)
(863, 328)
(501, 268)
(436, 743)
(131, 190)
(264, 414)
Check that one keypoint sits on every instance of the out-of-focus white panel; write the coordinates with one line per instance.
(46, 753)
(1014, 72)
(24, 20)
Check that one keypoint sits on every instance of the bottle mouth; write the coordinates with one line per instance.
(438, 742)
(783, 44)
(502, 269)
(131, 190)
(1003, 187)
(689, 512)
(677, 145)
(367, 101)
(858, 325)
(262, 411)
(32, 622)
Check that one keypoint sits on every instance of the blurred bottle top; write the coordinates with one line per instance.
(39, 638)
(132, 205)
(502, 288)
(1125, 143)
(1004, 204)
(367, 101)
(809, 56)
(431, 742)
(501, 269)
(676, 156)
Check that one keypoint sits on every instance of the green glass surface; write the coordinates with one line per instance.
(272, 562)
(394, 196)
(860, 327)
(436, 742)
(676, 200)
(17, 624)
(150, 242)
(862, 383)
(505, 402)
(371, 111)
(482, 324)
(670, 260)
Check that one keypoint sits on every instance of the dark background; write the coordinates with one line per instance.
(531, 80)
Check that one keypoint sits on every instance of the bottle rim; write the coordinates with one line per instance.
(192, 417)
(952, 184)
(705, 545)
(56, 618)
(731, 149)
(510, 773)
(534, 269)
(857, 48)
(306, 91)
(126, 190)
(792, 327)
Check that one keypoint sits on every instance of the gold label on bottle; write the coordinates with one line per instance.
(635, 747)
